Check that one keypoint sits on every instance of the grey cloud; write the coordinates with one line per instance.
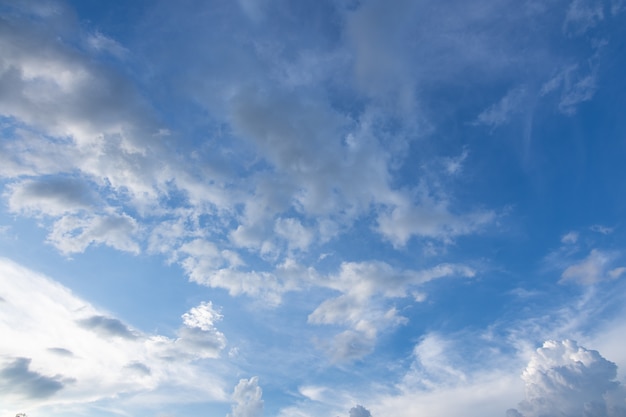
(51, 196)
(360, 411)
(107, 327)
(139, 368)
(18, 378)
(201, 343)
(61, 351)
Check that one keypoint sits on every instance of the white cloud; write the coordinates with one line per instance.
(296, 235)
(565, 379)
(500, 113)
(592, 269)
(583, 15)
(71, 234)
(570, 238)
(575, 85)
(103, 43)
(364, 306)
(430, 217)
(67, 353)
(247, 398)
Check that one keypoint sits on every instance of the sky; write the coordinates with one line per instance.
(316, 208)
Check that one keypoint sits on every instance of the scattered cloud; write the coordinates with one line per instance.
(247, 398)
(570, 238)
(594, 268)
(602, 229)
(500, 113)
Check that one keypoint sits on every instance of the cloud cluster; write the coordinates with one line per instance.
(88, 155)
(568, 380)
(66, 350)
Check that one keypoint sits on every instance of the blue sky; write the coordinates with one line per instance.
(313, 208)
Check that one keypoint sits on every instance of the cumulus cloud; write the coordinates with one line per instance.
(199, 334)
(568, 380)
(247, 397)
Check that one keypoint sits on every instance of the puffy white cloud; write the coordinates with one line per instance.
(247, 397)
(575, 85)
(568, 380)
(71, 234)
(429, 217)
(65, 352)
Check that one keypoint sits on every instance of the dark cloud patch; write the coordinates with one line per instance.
(201, 342)
(108, 327)
(61, 351)
(68, 190)
(360, 411)
(139, 368)
(17, 377)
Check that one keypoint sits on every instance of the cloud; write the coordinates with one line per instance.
(360, 411)
(593, 269)
(570, 238)
(199, 334)
(565, 379)
(364, 306)
(16, 377)
(54, 196)
(70, 353)
(602, 229)
(247, 397)
(583, 15)
(500, 113)
(575, 84)
(72, 234)
(430, 217)
(108, 327)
